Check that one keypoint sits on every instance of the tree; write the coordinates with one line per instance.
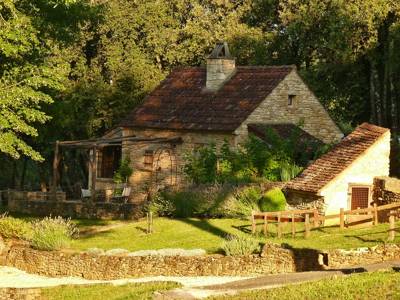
(25, 76)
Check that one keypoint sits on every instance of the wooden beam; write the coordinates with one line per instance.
(115, 141)
(56, 161)
(93, 170)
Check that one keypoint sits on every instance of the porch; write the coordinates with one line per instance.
(100, 198)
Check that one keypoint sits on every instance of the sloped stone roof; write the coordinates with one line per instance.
(331, 164)
(182, 102)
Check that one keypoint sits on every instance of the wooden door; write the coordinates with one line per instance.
(359, 197)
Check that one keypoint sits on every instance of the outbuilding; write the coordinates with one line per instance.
(343, 177)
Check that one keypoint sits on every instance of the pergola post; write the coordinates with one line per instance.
(93, 167)
(56, 162)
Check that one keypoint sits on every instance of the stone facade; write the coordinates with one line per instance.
(305, 109)
(77, 209)
(168, 161)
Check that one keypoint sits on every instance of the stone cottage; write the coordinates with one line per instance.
(195, 106)
(344, 177)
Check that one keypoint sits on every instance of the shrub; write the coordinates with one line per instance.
(240, 245)
(52, 233)
(289, 171)
(273, 200)
(123, 172)
(242, 202)
(203, 200)
(14, 228)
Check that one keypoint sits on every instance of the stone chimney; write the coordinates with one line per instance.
(220, 67)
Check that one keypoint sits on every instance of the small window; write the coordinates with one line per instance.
(291, 99)
(148, 159)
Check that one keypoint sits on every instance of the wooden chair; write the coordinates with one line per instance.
(123, 198)
(85, 193)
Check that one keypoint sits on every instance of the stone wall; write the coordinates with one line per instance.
(106, 267)
(306, 109)
(77, 209)
(273, 259)
(302, 200)
(386, 190)
(20, 294)
(168, 164)
(345, 258)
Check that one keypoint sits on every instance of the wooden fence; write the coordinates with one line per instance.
(311, 217)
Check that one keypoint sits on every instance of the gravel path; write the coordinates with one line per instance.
(14, 278)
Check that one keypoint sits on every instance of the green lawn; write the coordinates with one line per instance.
(379, 285)
(208, 234)
(109, 292)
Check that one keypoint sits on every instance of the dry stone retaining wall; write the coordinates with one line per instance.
(273, 259)
(19, 294)
(77, 209)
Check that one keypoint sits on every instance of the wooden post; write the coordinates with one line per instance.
(265, 224)
(307, 226)
(94, 174)
(56, 161)
(293, 226)
(316, 218)
(342, 218)
(279, 226)
(149, 222)
(376, 221)
(253, 223)
(391, 226)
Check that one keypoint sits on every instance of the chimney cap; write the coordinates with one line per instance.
(221, 50)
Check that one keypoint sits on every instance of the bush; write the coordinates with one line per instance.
(14, 228)
(198, 201)
(242, 202)
(240, 245)
(289, 171)
(52, 233)
(273, 200)
(211, 201)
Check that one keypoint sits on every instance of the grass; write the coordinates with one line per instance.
(209, 234)
(110, 292)
(379, 285)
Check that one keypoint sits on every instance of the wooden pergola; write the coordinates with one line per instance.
(93, 145)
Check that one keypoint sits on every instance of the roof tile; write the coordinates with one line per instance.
(181, 102)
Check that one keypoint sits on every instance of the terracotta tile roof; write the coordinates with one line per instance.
(284, 130)
(181, 102)
(331, 164)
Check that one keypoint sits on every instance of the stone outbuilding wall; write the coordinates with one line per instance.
(374, 162)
